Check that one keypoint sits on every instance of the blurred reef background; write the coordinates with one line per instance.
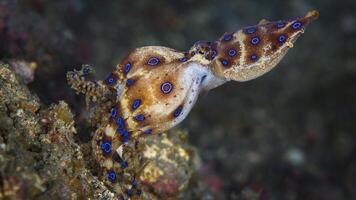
(290, 134)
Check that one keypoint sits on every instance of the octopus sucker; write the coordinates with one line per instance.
(154, 88)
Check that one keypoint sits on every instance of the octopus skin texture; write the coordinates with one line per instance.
(154, 88)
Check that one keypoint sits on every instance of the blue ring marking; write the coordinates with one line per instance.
(113, 113)
(123, 164)
(166, 90)
(136, 104)
(224, 62)
(129, 82)
(255, 40)
(178, 111)
(227, 37)
(112, 176)
(86, 70)
(254, 57)
(232, 52)
(124, 133)
(106, 147)
(127, 68)
(139, 118)
(280, 24)
(296, 25)
(184, 59)
(213, 53)
(120, 122)
(148, 131)
(250, 30)
(153, 61)
(110, 80)
(134, 182)
(282, 38)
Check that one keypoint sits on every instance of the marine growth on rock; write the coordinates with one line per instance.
(154, 88)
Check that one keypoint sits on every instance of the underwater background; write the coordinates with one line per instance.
(290, 134)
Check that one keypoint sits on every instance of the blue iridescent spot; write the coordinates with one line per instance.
(213, 53)
(166, 87)
(124, 133)
(136, 104)
(255, 40)
(139, 118)
(106, 147)
(153, 61)
(86, 70)
(282, 38)
(227, 37)
(250, 30)
(110, 80)
(123, 164)
(148, 131)
(134, 182)
(232, 52)
(178, 111)
(129, 82)
(183, 59)
(112, 176)
(296, 25)
(113, 112)
(121, 198)
(280, 24)
(224, 62)
(127, 67)
(120, 122)
(254, 57)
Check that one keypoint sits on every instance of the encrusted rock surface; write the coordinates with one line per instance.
(41, 159)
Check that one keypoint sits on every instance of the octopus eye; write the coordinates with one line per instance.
(166, 87)
(106, 147)
(153, 61)
(296, 25)
(112, 176)
(255, 40)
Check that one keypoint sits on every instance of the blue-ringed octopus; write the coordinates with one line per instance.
(154, 88)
